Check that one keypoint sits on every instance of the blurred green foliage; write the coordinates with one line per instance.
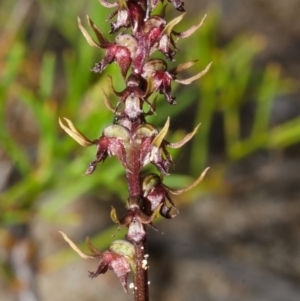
(231, 84)
(45, 71)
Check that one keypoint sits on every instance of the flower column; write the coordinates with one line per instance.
(130, 138)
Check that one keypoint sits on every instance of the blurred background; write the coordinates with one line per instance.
(238, 234)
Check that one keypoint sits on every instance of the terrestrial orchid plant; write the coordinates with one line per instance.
(138, 35)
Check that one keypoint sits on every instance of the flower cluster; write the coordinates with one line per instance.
(135, 142)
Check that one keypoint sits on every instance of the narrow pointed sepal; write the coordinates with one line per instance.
(193, 78)
(74, 247)
(169, 27)
(102, 40)
(108, 103)
(73, 132)
(191, 30)
(183, 141)
(182, 67)
(179, 191)
(113, 215)
(119, 258)
(161, 135)
(100, 36)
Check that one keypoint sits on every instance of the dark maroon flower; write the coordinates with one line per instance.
(130, 12)
(156, 193)
(113, 142)
(115, 262)
(135, 219)
(148, 37)
(154, 146)
(132, 97)
(178, 4)
(110, 143)
(119, 258)
(119, 141)
(156, 70)
(122, 51)
(157, 34)
(167, 44)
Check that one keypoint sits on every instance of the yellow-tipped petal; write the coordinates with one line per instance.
(111, 86)
(156, 212)
(108, 104)
(161, 135)
(113, 215)
(101, 38)
(149, 182)
(75, 133)
(149, 86)
(182, 67)
(187, 138)
(193, 78)
(122, 4)
(87, 36)
(169, 27)
(191, 30)
(74, 247)
(93, 249)
(179, 191)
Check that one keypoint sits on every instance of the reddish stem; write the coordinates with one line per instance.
(141, 292)
(133, 174)
(134, 167)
